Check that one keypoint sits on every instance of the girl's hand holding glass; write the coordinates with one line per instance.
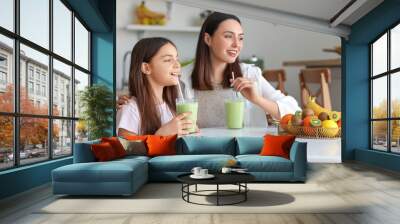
(177, 125)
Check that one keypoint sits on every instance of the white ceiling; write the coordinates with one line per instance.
(313, 15)
(320, 9)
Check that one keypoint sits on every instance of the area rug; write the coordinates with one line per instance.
(167, 198)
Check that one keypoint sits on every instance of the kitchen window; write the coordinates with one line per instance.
(50, 45)
(385, 94)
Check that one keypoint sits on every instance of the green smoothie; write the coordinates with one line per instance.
(234, 113)
(189, 106)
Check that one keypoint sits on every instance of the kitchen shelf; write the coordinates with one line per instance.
(141, 29)
(166, 28)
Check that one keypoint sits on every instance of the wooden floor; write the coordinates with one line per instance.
(378, 188)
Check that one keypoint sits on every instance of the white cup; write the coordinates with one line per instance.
(226, 170)
(196, 170)
(203, 172)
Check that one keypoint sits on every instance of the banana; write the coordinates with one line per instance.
(148, 17)
(311, 104)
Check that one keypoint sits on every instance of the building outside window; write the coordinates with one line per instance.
(30, 87)
(30, 72)
(3, 72)
(43, 77)
(43, 90)
(37, 74)
(3, 78)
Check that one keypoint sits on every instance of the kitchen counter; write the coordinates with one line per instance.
(318, 150)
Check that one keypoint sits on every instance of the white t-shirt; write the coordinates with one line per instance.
(211, 102)
(128, 117)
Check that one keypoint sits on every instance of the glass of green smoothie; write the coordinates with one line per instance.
(234, 113)
(188, 105)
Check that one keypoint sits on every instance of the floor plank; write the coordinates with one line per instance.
(376, 189)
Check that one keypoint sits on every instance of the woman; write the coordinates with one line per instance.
(210, 80)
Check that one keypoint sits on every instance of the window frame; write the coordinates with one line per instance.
(388, 74)
(16, 114)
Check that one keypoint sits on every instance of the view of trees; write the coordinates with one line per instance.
(380, 128)
(33, 131)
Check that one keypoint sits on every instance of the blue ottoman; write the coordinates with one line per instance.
(118, 177)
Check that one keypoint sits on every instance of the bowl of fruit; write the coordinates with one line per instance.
(313, 121)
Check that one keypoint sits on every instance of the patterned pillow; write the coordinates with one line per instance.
(134, 147)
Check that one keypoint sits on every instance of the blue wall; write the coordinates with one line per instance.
(99, 16)
(355, 81)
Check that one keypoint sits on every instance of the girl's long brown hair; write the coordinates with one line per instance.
(139, 86)
(201, 75)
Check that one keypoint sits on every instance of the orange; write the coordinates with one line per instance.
(285, 120)
(308, 129)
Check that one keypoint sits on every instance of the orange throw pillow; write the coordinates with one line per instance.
(103, 152)
(277, 145)
(116, 145)
(161, 145)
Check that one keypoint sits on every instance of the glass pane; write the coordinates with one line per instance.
(395, 47)
(34, 97)
(81, 81)
(395, 131)
(6, 74)
(33, 140)
(81, 45)
(62, 29)
(6, 142)
(62, 141)
(379, 135)
(35, 21)
(81, 131)
(7, 14)
(379, 55)
(395, 95)
(379, 97)
(62, 89)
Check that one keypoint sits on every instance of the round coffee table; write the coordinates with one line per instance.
(238, 179)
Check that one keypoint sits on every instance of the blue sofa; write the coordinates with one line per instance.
(125, 176)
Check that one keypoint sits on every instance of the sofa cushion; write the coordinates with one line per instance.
(103, 152)
(161, 145)
(116, 145)
(249, 145)
(185, 163)
(198, 145)
(257, 163)
(111, 171)
(134, 147)
(277, 145)
(83, 152)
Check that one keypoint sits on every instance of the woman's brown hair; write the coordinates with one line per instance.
(201, 75)
(139, 86)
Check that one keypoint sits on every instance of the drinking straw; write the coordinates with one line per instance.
(233, 78)
(180, 91)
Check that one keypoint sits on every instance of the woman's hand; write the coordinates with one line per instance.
(122, 100)
(247, 88)
(178, 125)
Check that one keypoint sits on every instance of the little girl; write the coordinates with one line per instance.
(153, 78)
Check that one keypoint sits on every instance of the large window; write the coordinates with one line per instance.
(44, 64)
(385, 94)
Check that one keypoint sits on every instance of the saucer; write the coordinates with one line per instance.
(208, 176)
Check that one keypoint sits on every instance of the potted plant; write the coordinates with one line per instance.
(97, 105)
